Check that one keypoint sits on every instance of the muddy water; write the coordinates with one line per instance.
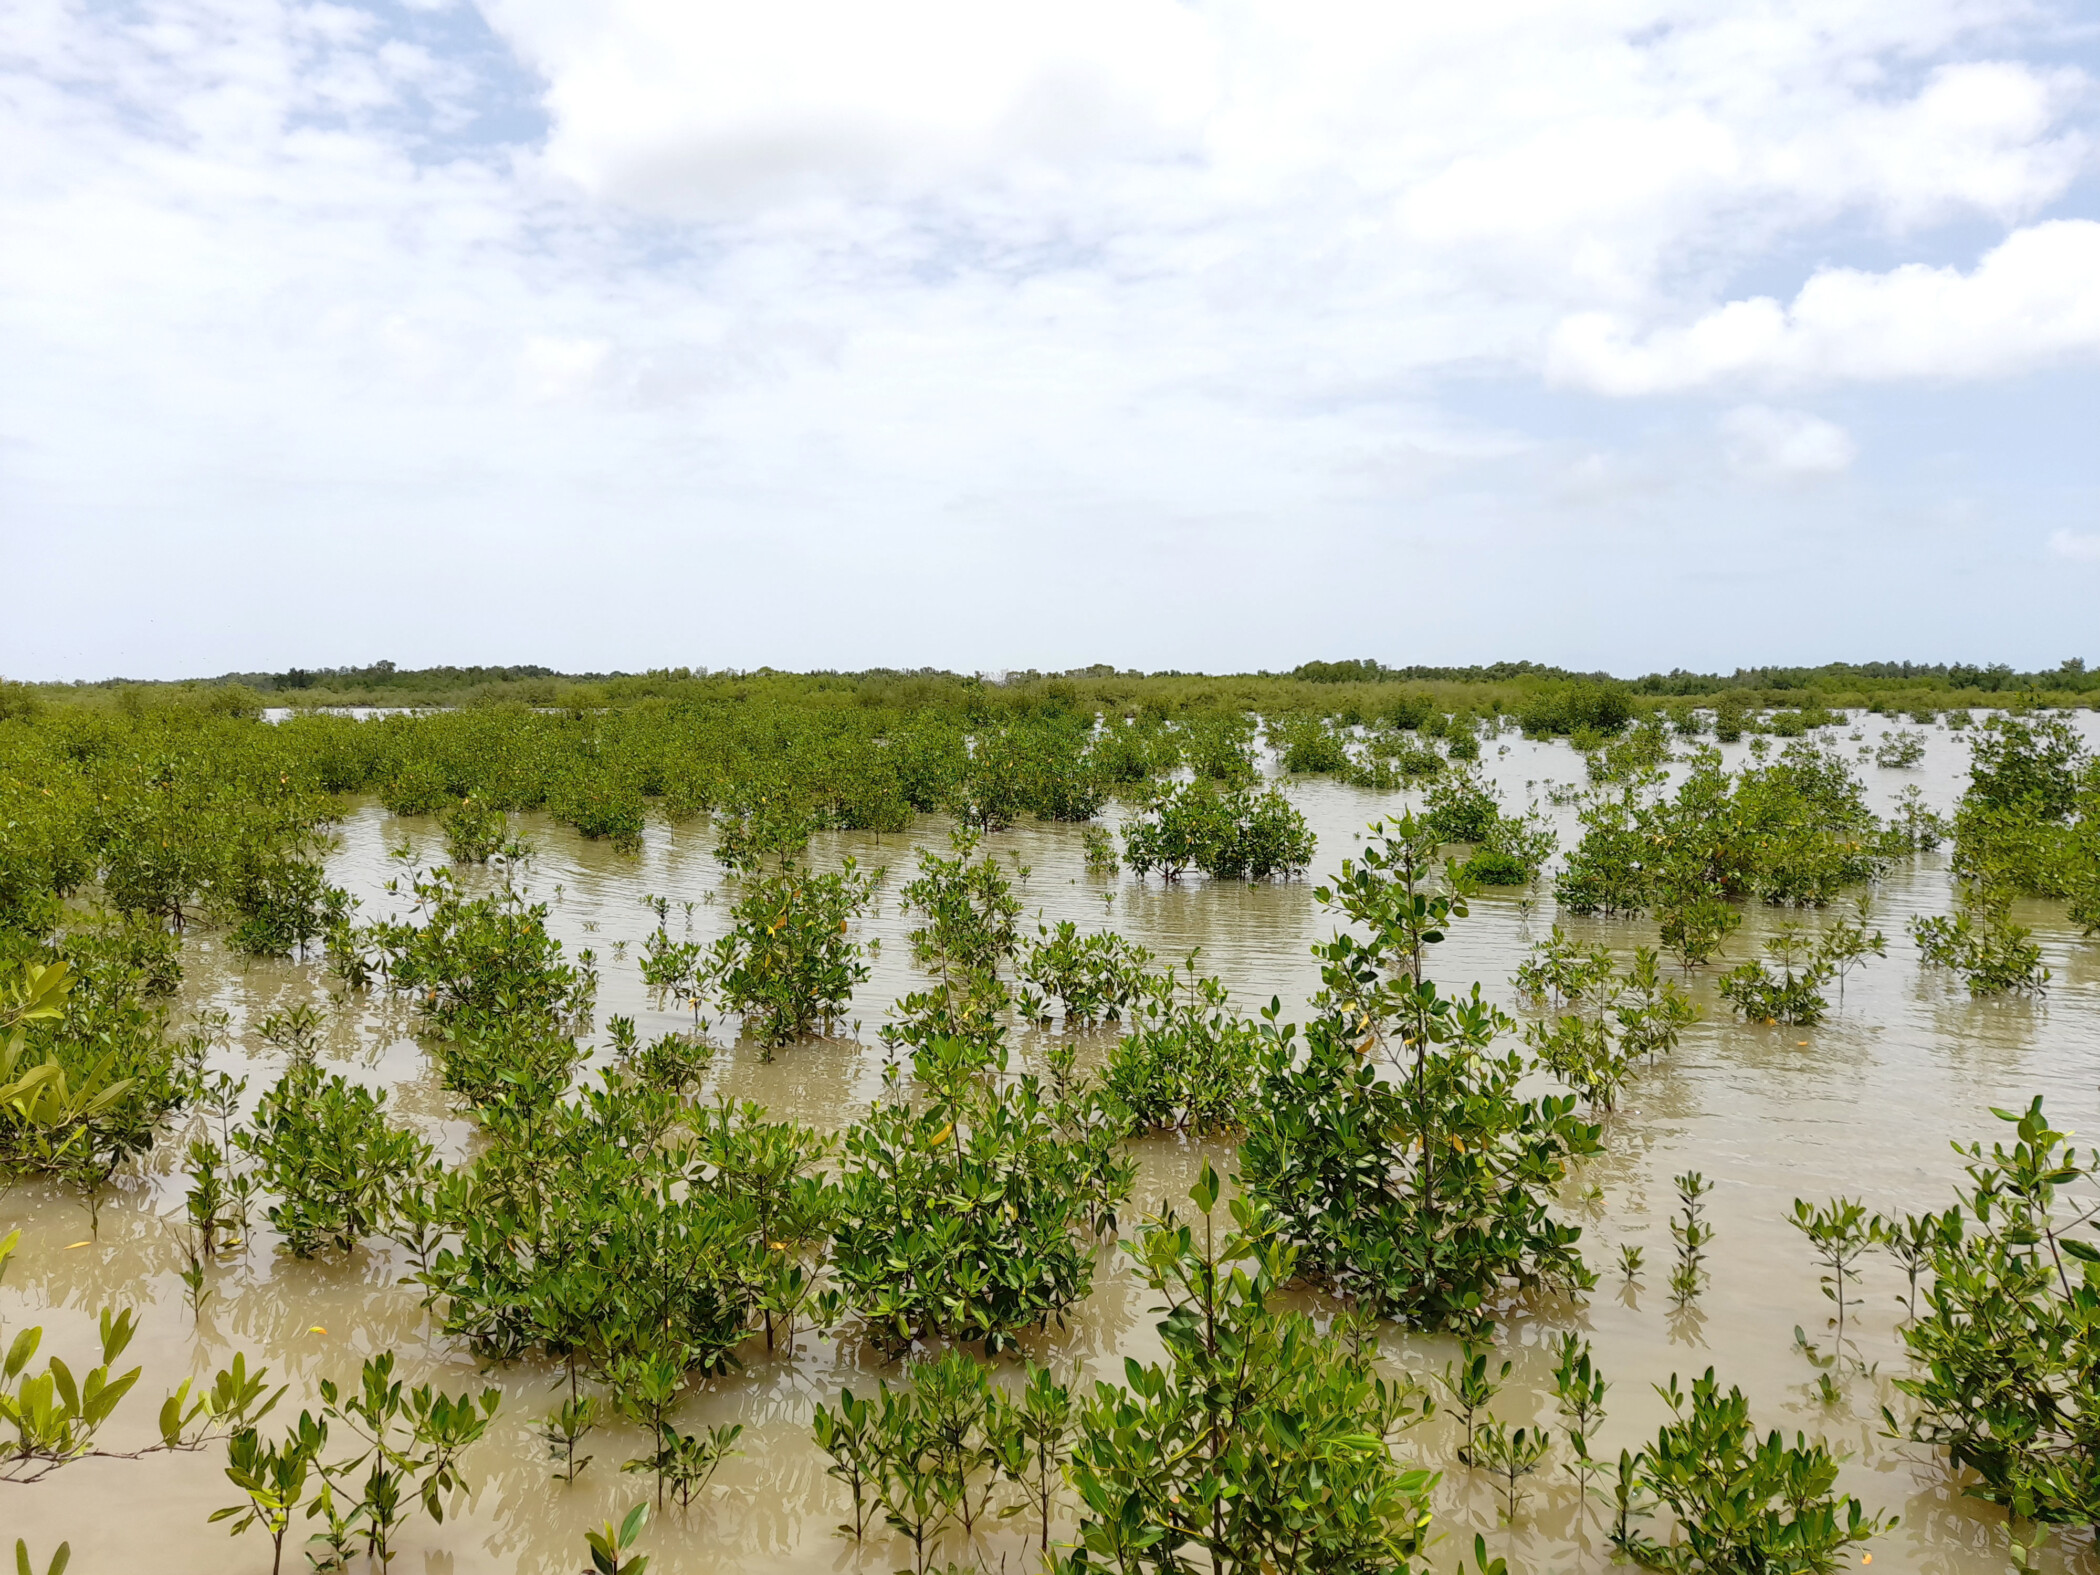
(1863, 1105)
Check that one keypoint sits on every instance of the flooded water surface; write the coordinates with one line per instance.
(1863, 1104)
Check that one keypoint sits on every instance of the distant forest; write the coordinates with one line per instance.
(1333, 687)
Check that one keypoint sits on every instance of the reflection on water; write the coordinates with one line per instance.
(1862, 1104)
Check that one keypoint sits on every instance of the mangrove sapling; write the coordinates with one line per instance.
(1900, 749)
(1472, 1389)
(849, 1436)
(1396, 1151)
(1025, 1179)
(1912, 826)
(2007, 1348)
(971, 913)
(194, 1289)
(1091, 977)
(788, 965)
(412, 1440)
(1579, 1389)
(482, 958)
(296, 1033)
(1462, 807)
(1582, 1053)
(1235, 834)
(1652, 1012)
(924, 1452)
(1593, 1054)
(1630, 1262)
(1695, 923)
(1691, 1232)
(1511, 1454)
(564, 1429)
(1100, 848)
(1742, 1505)
(1910, 1241)
(646, 1388)
(475, 830)
(208, 1206)
(952, 1398)
(272, 1479)
(1993, 955)
(673, 968)
(686, 1462)
(1794, 994)
(1188, 1061)
(772, 1170)
(324, 1148)
(612, 1547)
(1840, 1234)
(1848, 943)
(1557, 972)
(58, 1563)
(1032, 1437)
(1258, 1444)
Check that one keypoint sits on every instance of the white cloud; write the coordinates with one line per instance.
(2078, 546)
(841, 275)
(712, 106)
(1785, 444)
(2033, 300)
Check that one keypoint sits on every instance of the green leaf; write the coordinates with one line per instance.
(1205, 1191)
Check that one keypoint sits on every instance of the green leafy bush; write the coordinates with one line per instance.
(1741, 1505)
(1228, 834)
(323, 1147)
(1394, 1149)
(1188, 1060)
(1260, 1443)
(1023, 1180)
(2006, 1355)
(789, 963)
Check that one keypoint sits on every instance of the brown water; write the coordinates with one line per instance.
(1863, 1104)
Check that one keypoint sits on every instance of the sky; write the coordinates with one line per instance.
(1633, 334)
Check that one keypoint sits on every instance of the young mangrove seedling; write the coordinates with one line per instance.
(564, 1428)
(1740, 1502)
(1840, 1233)
(1510, 1454)
(1033, 1437)
(612, 1549)
(1910, 1242)
(1579, 1390)
(1691, 1232)
(1471, 1389)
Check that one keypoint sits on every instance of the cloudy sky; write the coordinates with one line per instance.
(1632, 333)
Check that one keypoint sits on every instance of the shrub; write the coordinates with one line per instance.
(1259, 1443)
(1091, 977)
(789, 965)
(1016, 1173)
(1188, 1060)
(323, 1146)
(1228, 834)
(2007, 1352)
(1741, 1505)
(1395, 1151)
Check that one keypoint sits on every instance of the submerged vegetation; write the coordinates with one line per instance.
(1406, 1150)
